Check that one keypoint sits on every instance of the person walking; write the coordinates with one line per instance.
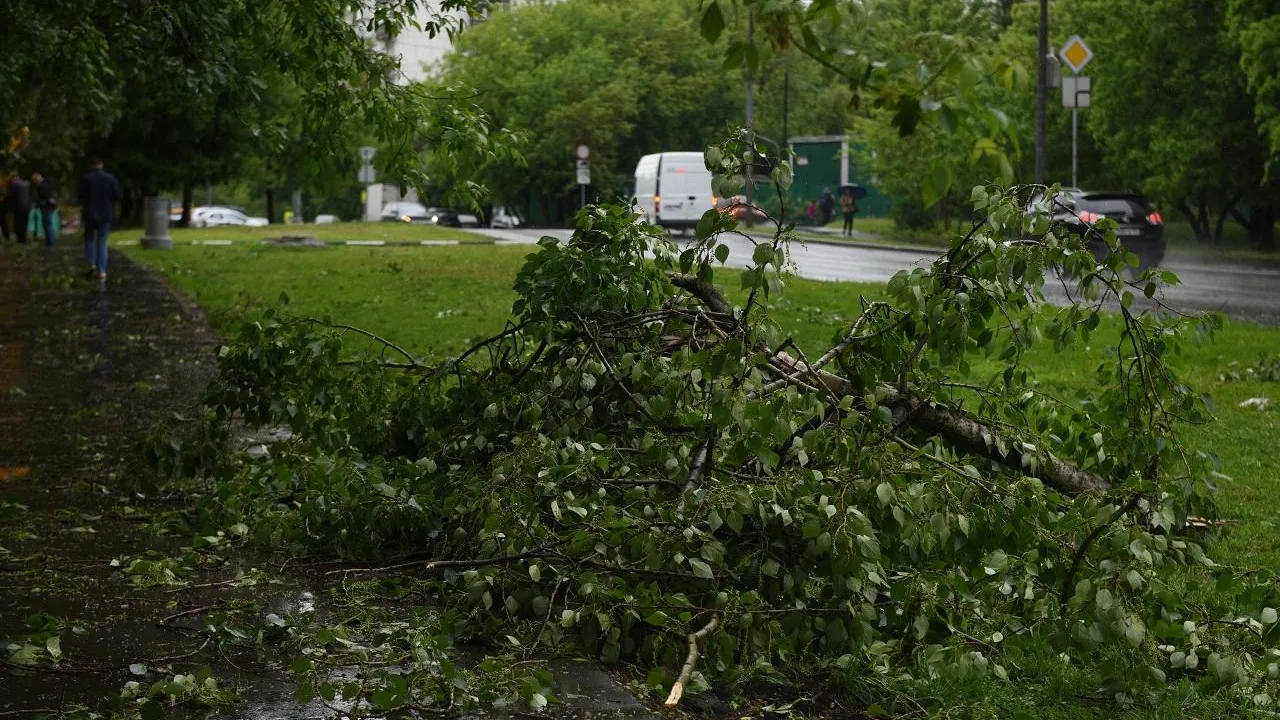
(4, 206)
(47, 201)
(19, 203)
(99, 191)
(826, 206)
(811, 212)
(848, 206)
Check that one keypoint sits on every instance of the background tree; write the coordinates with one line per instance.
(223, 59)
(626, 78)
(1172, 109)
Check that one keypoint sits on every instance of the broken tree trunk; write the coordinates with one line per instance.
(958, 428)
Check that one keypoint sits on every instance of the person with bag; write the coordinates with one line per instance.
(99, 191)
(848, 206)
(47, 202)
(19, 204)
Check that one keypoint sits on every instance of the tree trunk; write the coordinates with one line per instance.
(271, 205)
(187, 190)
(1199, 223)
(1227, 207)
(1262, 226)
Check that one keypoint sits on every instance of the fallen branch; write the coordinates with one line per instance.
(704, 291)
(166, 623)
(686, 672)
(699, 465)
(965, 432)
(543, 551)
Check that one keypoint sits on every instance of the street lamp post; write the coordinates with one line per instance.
(1042, 89)
(751, 108)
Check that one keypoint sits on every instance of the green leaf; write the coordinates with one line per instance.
(151, 710)
(712, 22)
(884, 491)
(763, 254)
(701, 569)
(535, 573)
(722, 252)
(1268, 616)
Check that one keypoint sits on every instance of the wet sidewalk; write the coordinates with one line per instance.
(84, 367)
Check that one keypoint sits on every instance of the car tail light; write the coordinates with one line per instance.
(657, 203)
(1155, 219)
(1089, 217)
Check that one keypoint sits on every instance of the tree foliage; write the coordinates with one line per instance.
(147, 72)
(643, 467)
(1202, 156)
(624, 78)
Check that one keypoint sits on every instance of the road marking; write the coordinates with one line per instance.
(438, 242)
(215, 242)
(365, 242)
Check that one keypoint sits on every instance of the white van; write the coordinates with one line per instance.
(673, 189)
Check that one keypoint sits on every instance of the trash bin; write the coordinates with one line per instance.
(155, 228)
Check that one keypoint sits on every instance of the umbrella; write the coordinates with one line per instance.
(858, 191)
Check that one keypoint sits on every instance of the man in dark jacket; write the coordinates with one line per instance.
(19, 203)
(98, 194)
(47, 201)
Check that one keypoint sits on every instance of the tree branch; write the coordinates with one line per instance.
(686, 672)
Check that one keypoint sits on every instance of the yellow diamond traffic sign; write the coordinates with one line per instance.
(1076, 54)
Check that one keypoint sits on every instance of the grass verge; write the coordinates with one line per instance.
(387, 231)
(435, 300)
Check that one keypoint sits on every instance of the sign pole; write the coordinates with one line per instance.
(1073, 147)
(1076, 54)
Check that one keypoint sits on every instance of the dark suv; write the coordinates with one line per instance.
(1139, 227)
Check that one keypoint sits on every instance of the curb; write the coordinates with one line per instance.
(864, 244)
(350, 243)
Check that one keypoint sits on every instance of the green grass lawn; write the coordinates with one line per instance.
(401, 232)
(433, 300)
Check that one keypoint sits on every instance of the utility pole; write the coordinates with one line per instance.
(1042, 89)
(786, 93)
(751, 108)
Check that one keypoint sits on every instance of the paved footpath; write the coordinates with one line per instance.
(84, 367)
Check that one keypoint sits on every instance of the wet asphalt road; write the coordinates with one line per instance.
(1242, 292)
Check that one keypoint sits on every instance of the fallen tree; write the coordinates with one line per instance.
(645, 467)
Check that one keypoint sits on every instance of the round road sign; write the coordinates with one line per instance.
(584, 152)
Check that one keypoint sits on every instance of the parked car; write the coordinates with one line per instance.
(223, 217)
(468, 220)
(741, 210)
(326, 219)
(1139, 226)
(412, 212)
(403, 211)
(504, 218)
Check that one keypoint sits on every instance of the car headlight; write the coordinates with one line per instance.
(435, 218)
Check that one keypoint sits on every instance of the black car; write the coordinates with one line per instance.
(1139, 226)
